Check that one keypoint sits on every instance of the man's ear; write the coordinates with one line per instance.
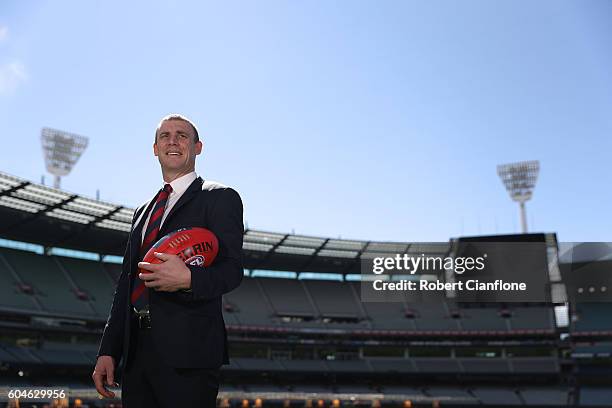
(198, 147)
(155, 152)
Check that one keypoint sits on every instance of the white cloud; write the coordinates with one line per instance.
(12, 75)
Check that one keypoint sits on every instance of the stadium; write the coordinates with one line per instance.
(300, 334)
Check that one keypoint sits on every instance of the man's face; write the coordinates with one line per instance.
(175, 147)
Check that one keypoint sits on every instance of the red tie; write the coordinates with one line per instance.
(139, 295)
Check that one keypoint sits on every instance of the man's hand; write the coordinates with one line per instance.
(169, 276)
(104, 375)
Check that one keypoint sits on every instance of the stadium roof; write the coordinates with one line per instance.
(51, 217)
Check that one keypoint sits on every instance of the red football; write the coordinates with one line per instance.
(194, 245)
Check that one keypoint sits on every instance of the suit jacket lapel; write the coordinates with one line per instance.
(189, 194)
(136, 235)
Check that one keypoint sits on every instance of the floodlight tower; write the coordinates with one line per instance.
(519, 179)
(61, 150)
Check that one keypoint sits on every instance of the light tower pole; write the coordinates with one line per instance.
(61, 150)
(519, 179)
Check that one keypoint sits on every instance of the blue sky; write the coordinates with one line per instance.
(360, 119)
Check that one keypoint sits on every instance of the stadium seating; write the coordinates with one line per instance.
(392, 365)
(483, 319)
(592, 317)
(349, 366)
(299, 304)
(52, 288)
(485, 365)
(287, 297)
(392, 316)
(334, 299)
(353, 389)
(10, 294)
(534, 365)
(451, 396)
(258, 364)
(261, 388)
(497, 396)
(545, 396)
(403, 389)
(249, 304)
(19, 354)
(435, 315)
(301, 335)
(436, 365)
(595, 396)
(91, 278)
(7, 357)
(448, 392)
(57, 353)
(531, 318)
(604, 348)
(311, 388)
(113, 270)
(85, 288)
(317, 366)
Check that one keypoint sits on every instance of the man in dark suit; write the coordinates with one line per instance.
(167, 325)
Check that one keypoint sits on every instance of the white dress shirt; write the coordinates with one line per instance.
(179, 186)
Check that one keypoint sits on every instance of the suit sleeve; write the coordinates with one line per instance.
(226, 272)
(112, 337)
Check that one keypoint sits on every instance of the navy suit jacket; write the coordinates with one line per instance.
(187, 327)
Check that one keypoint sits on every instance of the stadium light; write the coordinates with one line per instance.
(519, 179)
(61, 150)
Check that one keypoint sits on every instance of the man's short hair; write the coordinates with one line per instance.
(178, 116)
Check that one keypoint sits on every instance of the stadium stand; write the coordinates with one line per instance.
(333, 299)
(497, 396)
(52, 288)
(294, 334)
(531, 318)
(14, 293)
(448, 392)
(287, 297)
(592, 317)
(545, 396)
(591, 396)
(91, 281)
(483, 319)
(387, 315)
(248, 304)
(113, 270)
(54, 353)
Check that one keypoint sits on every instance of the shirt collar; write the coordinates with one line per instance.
(180, 184)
